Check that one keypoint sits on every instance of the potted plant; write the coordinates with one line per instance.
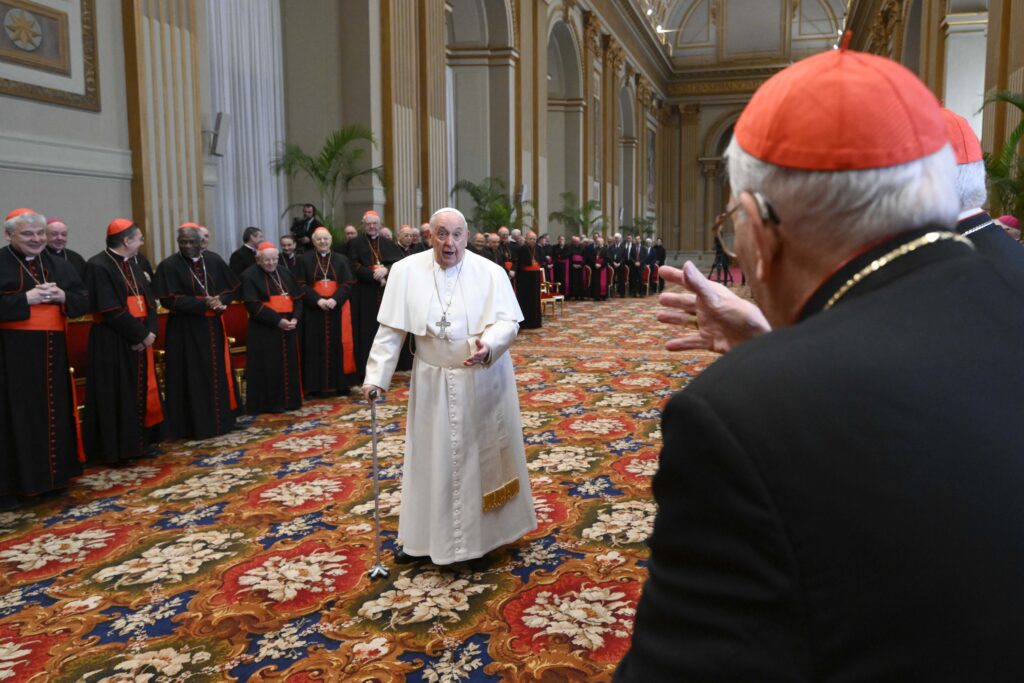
(1006, 169)
(338, 163)
(579, 220)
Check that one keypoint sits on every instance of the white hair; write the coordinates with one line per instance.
(446, 209)
(850, 208)
(37, 220)
(970, 185)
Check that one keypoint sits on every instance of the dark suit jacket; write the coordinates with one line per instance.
(840, 500)
(241, 259)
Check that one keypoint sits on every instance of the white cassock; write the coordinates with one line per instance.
(465, 486)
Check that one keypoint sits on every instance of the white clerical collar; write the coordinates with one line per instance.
(250, 246)
(968, 213)
(196, 258)
(30, 258)
(449, 269)
(323, 253)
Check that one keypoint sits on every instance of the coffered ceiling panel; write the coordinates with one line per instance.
(726, 33)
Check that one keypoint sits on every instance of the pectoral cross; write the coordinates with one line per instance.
(444, 325)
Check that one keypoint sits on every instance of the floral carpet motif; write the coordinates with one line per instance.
(245, 557)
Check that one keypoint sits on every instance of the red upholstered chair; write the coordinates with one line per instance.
(77, 340)
(645, 279)
(159, 346)
(236, 324)
(654, 277)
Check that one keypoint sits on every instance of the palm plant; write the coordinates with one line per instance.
(1006, 169)
(493, 207)
(338, 163)
(579, 220)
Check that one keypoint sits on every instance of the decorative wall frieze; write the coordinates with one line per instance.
(732, 87)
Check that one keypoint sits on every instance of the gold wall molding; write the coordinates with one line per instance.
(689, 89)
(165, 128)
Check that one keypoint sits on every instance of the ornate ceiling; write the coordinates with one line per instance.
(701, 35)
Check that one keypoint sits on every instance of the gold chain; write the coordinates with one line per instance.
(884, 260)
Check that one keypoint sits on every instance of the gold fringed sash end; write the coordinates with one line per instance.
(501, 495)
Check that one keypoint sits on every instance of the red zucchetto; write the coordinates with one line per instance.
(965, 143)
(842, 111)
(118, 225)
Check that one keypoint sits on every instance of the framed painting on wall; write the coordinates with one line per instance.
(48, 51)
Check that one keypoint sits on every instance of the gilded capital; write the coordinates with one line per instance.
(592, 32)
(614, 55)
(710, 167)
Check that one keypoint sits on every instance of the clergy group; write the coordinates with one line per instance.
(311, 319)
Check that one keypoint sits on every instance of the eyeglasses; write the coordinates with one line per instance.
(764, 209)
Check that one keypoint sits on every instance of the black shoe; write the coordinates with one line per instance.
(479, 564)
(402, 557)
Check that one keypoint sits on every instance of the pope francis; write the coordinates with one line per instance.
(465, 487)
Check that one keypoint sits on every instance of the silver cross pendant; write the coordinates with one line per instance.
(444, 325)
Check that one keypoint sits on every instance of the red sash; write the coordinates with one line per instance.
(348, 354)
(531, 268)
(41, 318)
(154, 413)
(325, 288)
(282, 303)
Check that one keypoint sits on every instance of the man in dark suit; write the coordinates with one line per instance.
(303, 227)
(245, 255)
(839, 498)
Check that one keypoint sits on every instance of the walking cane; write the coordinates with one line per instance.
(378, 570)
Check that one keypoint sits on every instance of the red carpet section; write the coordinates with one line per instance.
(245, 557)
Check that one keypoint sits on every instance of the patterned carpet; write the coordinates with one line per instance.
(245, 557)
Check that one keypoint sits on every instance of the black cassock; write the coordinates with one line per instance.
(364, 254)
(576, 262)
(73, 258)
(528, 280)
(122, 407)
(273, 384)
(38, 442)
(201, 397)
(328, 353)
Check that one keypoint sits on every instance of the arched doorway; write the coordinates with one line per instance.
(481, 86)
(564, 122)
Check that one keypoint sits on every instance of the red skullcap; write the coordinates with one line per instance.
(51, 221)
(1009, 221)
(188, 225)
(842, 111)
(266, 245)
(118, 225)
(961, 136)
(371, 214)
(18, 212)
(323, 229)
